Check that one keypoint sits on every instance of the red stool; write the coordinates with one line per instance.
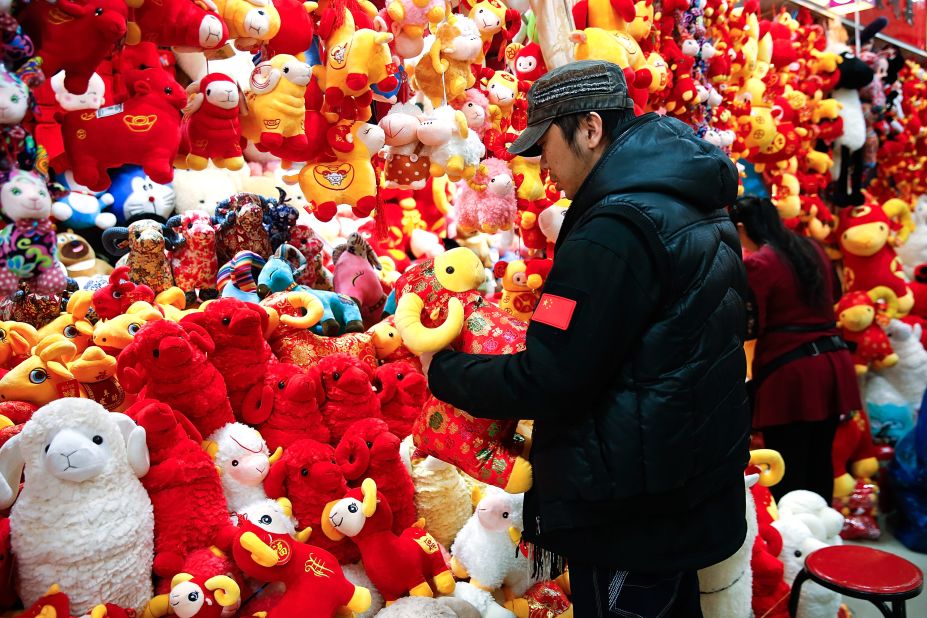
(862, 573)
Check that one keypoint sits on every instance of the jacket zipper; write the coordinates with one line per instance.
(537, 521)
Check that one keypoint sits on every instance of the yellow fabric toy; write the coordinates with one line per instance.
(250, 22)
(117, 333)
(349, 179)
(16, 339)
(445, 69)
(277, 102)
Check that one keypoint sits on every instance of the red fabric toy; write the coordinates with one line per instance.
(349, 394)
(167, 362)
(296, 29)
(853, 453)
(74, 36)
(241, 354)
(770, 592)
(210, 128)
(180, 23)
(308, 475)
(289, 407)
(397, 564)
(856, 317)
(57, 604)
(144, 130)
(403, 391)
(8, 597)
(117, 296)
(189, 506)
(369, 450)
(315, 584)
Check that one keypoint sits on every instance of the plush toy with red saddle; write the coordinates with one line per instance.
(291, 412)
(168, 362)
(315, 584)
(189, 505)
(402, 393)
(349, 394)
(308, 475)
(369, 450)
(397, 564)
(241, 353)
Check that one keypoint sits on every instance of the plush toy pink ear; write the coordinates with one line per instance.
(275, 483)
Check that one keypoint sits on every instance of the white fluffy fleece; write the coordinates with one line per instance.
(471, 148)
(242, 483)
(95, 537)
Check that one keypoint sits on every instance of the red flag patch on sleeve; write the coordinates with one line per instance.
(555, 311)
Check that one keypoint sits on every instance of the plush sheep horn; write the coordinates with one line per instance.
(419, 338)
(11, 470)
(224, 589)
(286, 506)
(275, 457)
(136, 445)
(211, 447)
(260, 552)
(5, 422)
(327, 527)
(303, 535)
(311, 309)
(158, 607)
(79, 304)
(369, 489)
(116, 241)
(771, 465)
(22, 338)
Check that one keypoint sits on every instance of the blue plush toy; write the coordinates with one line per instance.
(81, 208)
(136, 196)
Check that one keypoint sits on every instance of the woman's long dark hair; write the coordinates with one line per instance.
(764, 227)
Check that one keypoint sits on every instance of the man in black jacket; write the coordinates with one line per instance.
(634, 368)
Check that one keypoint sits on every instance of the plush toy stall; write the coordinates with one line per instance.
(226, 237)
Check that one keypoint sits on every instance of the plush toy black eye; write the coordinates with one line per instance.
(267, 520)
(133, 328)
(156, 353)
(336, 375)
(117, 295)
(400, 376)
(168, 90)
(193, 597)
(226, 320)
(261, 13)
(190, 225)
(98, 12)
(369, 444)
(234, 463)
(505, 515)
(352, 508)
(798, 553)
(208, 91)
(37, 376)
(391, 335)
(281, 384)
(449, 270)
(285, 69)
(70, 331)
(304, 472)
(46, 448)
(97, 439)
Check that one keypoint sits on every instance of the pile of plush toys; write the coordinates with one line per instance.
(231, 228)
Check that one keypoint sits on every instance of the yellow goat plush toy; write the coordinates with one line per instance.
(349, 177)
(445, 69)
(250, 22)
(277, 103)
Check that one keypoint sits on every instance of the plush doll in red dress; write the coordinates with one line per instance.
(241, 353)
(189, 505)
(369, 450)
(349, 394)
(168, 362)
(396, 564)
(308, 475)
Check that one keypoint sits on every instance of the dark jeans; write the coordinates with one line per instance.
(806, 449)
(600, 592)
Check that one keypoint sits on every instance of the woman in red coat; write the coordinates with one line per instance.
(803, 375)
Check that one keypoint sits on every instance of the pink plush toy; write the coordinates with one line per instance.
(356, 266)
(487, 201)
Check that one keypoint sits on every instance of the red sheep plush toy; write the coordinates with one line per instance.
(180, 23)
(167, 362)
(349, 394)
(403, 391)
(315, 584)
(397, 564)
(241, 353)
(308, 475)
(117, 296)
(74, 36)
(195, 597)
(369, 450)
(189, 505)
(296, 28)
(210, 124)
(291, 411)
(144, 130)
(856, 317)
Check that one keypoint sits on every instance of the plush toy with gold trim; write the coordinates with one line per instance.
(195, 597)
(435, 300)
(493, 17)
(346, 178)
(396, 564)
(518, 300)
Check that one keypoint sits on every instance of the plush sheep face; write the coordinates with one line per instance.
(257, 22)
(347, 517)
(222, 94)
(269, 515)
(372, 137)
(297, 72)
(502, 185)
(76, 455)
(146, 236)
(242, 455)
(400, 129)
(435, 131)
(475, 115)
(25, 196)
(496, 512)
(187, 599)
(466, 46)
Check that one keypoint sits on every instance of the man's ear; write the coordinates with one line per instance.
(591, 129)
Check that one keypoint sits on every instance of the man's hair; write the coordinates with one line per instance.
(611, 119)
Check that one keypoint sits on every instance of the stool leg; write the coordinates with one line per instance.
(899, 610)
(796, 592)
(883, 608)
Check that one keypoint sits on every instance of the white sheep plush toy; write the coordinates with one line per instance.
(83, 520)
(485, 549)
(243, 461)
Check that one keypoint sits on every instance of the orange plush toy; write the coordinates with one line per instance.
(396, 564)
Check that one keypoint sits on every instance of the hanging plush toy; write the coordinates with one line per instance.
(178, 23)
(277, 103)
(144, 129)
(250, 23)
(28, 247)
(443, 74)
(487, 201)
(210, 124)
(453, 149)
